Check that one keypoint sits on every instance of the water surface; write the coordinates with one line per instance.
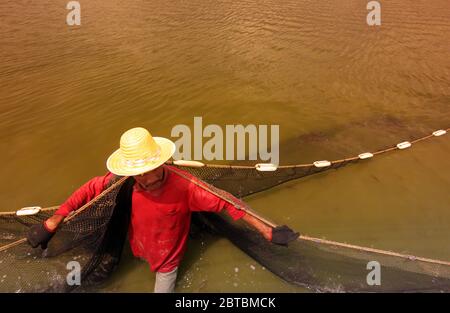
(336, 87)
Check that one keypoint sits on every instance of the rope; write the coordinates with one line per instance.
(373, 250)
(52, 208)
(351, 158)
(312, 239)
(67, 219)
(254, 214)
(13, 244)
(231, 201)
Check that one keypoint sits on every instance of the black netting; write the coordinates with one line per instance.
(325, 266)
(243, 181)
(95, 236)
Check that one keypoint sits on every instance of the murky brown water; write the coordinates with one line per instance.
(334, 85)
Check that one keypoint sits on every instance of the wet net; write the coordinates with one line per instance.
(330, 267)
(242, 181)
(94, 237)
(327, 266)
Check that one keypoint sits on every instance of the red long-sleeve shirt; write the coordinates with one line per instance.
(160, 224)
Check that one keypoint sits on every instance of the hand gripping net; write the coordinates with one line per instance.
(322, 265)
(93, 237)
(95, 234)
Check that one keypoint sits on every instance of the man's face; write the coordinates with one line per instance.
(151, 180)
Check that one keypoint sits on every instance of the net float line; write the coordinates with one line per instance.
(319, 163)
(260, 167)
(242, 206)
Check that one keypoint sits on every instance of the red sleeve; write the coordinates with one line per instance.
(202, 200)
(84, 194)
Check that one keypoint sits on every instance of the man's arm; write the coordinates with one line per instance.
(81, 196)
(263, 228)
(203, 200)
(41, 234)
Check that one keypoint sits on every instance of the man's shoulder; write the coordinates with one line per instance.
(180, 177)
(178, 173)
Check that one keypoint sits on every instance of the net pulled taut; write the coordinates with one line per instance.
(93, 237)
(95, 234)
(322, 265)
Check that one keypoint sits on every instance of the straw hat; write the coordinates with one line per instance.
(139, 153)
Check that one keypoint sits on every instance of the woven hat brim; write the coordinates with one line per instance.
(117, 165)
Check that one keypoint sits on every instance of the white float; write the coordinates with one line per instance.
(266, 167)
(323, 163)
(404, 145)
(188, 163)
(30, 210)
(365, 155)
(439, 132)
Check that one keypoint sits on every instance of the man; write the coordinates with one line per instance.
(161, 205)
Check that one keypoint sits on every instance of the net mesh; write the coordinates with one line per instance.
(326, 266)
(242, 181)
(94, 238)
(95, 235)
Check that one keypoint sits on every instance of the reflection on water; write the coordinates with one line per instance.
(334, 85)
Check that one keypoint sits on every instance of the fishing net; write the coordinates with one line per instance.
(95, 234)
(242, 181)
(93, 237)
(326, 266)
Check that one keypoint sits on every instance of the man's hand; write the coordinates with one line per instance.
(40, 234)
(280, 235)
